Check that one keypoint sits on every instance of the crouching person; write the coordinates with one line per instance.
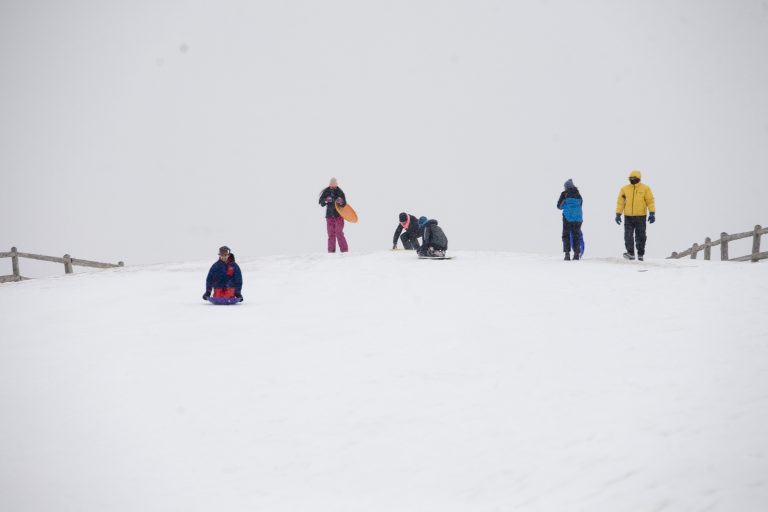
(434, 241)
(224, 279)
(409, 227)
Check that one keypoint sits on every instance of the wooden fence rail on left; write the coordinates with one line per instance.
(68, 261)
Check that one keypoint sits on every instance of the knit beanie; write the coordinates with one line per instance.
(423, 221)
(569, 184)
(403, 216)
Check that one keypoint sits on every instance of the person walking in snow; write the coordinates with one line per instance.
(330, 197)
(635, 200)
(570, 202)
(435, 243)
(410, 237)
(224, 278)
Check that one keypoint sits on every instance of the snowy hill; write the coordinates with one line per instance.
(378, 382)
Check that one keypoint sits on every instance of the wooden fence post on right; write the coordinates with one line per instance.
(15, 263)
(707, 248)
(694, 250)
(723, 246)
(756, 244)
(68, 264)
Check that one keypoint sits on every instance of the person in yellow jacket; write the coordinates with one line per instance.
(635, 201)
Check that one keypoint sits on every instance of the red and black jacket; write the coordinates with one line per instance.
(225, 275)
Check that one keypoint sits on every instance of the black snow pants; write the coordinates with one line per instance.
(410, 241)
(634, 232)
(569, 227)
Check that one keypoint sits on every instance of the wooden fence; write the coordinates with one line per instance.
(706, 247)
(67, 260)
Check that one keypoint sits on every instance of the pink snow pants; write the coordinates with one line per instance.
(335, 227)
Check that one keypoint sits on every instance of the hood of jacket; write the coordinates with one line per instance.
(636, 174)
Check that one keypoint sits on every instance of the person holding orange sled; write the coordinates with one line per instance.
(224, 279)
(330, 197)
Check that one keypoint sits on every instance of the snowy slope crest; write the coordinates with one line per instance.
(381, 382)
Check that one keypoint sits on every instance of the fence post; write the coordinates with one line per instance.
(723, 246)
(694, 250)
(756, 244)
(15, 263)
(707, 248)
(68, 264)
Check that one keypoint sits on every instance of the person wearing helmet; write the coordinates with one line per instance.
(570, 202)
(224, 279)
(410, 238)
(334, 223)
(435, 243)
(635, 201)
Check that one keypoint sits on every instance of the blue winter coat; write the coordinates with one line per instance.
(225, 275)
(570, 202)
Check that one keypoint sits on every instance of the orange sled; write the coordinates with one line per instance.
(347, 213)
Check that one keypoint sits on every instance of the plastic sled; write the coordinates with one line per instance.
(223, 301)
(347, 213)
(581, 242)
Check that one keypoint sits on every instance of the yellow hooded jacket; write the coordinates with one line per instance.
(635, 200)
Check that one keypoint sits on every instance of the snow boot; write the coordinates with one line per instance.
(576, 256)
(640, 257)
(567, 256)
(628, 256)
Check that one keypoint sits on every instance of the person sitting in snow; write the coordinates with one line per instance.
(224, 279)
(330, 196)
(410, 238)
(570, 202)
(434, 241)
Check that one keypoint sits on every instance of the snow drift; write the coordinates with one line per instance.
(380, 382)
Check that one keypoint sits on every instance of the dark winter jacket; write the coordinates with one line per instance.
(330, 206)
(570, 202)
(413, 229)
(434, 236)
(224, 275)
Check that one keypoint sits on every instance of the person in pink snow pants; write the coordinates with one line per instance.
(329, 198)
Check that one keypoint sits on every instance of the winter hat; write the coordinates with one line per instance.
(569, 184)
(333, 182)
(224, 250)
(635, 174)
(403, 216)
(423, 221)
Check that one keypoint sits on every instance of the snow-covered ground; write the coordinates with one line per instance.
(379, 382)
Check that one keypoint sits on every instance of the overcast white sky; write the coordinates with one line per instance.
(150, 131)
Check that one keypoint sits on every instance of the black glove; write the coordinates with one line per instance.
(239, 296)
(652, 217)
(206, 295)
(618, 218)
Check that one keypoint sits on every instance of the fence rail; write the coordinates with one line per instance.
(68, 261)
(706, 247)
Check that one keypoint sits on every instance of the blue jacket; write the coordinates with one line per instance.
(570, 202)
(225, 275)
